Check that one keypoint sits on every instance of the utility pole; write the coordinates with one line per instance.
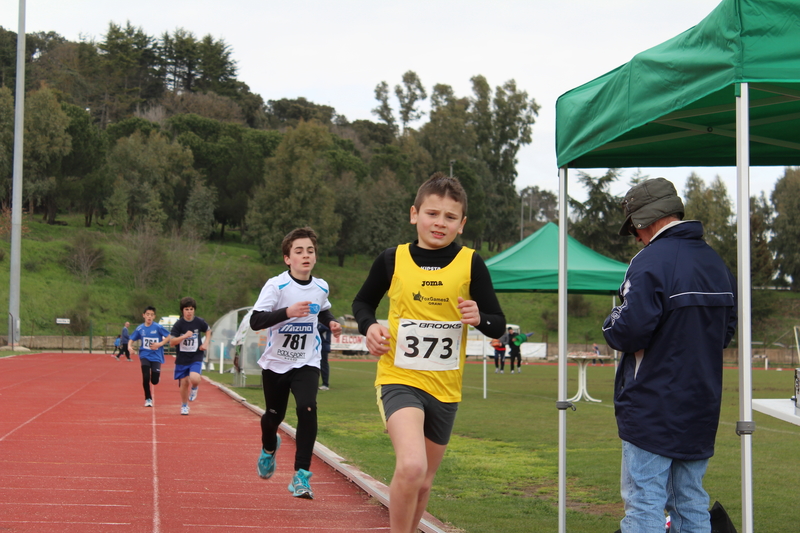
(16, 185)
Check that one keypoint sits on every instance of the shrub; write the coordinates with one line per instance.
(83, 258)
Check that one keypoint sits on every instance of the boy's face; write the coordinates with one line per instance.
(439, 221)
(149, 316)
(188, 314)
(301, 259)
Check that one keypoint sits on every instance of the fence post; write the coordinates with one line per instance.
(11, 330)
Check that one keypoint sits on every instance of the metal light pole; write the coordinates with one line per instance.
(16, 186)
(452, 161)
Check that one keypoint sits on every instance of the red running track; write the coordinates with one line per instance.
(79, 453)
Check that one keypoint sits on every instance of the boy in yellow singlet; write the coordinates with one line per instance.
(436, 289)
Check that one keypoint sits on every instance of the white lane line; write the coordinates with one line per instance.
(39, 376)
(156, 510)
(65, 398)
(61, 522)
(57, 504)
(51, 489)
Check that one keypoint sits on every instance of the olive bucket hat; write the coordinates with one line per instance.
(649, 201)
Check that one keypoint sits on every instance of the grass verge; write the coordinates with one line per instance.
(500, 471)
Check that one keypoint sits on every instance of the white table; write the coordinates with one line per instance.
(583, 360)
(782, 409)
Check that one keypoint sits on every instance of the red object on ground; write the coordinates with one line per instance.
(80, 453)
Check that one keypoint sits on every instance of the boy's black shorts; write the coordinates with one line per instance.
(439, 416)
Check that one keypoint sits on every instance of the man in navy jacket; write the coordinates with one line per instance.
(678, 312)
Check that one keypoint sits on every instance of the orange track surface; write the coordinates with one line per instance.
(80, 453)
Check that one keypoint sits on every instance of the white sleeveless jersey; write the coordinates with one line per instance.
(296, 341)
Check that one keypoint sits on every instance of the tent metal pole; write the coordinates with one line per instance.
(562, 403)
(745, 425)
(483, 350)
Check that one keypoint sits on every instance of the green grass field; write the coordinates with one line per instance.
(500, 470)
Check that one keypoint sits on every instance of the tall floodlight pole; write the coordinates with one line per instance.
(16, 186)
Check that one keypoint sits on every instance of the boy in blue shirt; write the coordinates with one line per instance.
(189, 352)
(153, 337)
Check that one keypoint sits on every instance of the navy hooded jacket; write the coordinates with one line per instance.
(678, 312)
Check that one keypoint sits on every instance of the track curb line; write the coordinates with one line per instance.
(370, 485)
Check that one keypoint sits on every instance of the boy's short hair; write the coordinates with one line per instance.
(188, 302)
(151, 308)
(298, 233)
(445, 186)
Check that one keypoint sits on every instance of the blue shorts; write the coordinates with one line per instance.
(182, 371)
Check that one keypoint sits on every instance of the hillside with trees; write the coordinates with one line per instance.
(156, 137)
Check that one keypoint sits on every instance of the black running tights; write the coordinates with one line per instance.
(151, 373)
(302, 383)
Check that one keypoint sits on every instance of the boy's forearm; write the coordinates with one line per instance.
(365, 316)
(325, 317)
(492, 325)
(266, 319)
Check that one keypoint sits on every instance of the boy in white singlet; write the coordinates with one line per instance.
(436, 289)
(290, 306)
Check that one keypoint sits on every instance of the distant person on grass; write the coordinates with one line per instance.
(123, 342)
(499, 346)
(189, 352)
(290, 306)
(514, 351)
(324, 367)
(153, 337)
(436, 289)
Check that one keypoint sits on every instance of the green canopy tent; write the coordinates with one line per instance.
(532, 265)
(725, 92)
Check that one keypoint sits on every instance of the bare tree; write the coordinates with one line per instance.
(84, 259)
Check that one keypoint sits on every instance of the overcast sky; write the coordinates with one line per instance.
(335, 53)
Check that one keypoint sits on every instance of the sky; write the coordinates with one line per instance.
(335, 53)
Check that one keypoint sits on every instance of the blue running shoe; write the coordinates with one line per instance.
(193, 394)
(299, 487)
(266, 461)
(184, 409)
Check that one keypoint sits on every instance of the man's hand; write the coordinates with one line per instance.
(335, 327)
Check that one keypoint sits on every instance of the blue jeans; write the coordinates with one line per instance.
(653, 483)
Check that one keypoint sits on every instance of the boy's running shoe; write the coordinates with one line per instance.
(193, 394)
(299, 486)
(266, 461)
(184, 409)
(148, 403)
